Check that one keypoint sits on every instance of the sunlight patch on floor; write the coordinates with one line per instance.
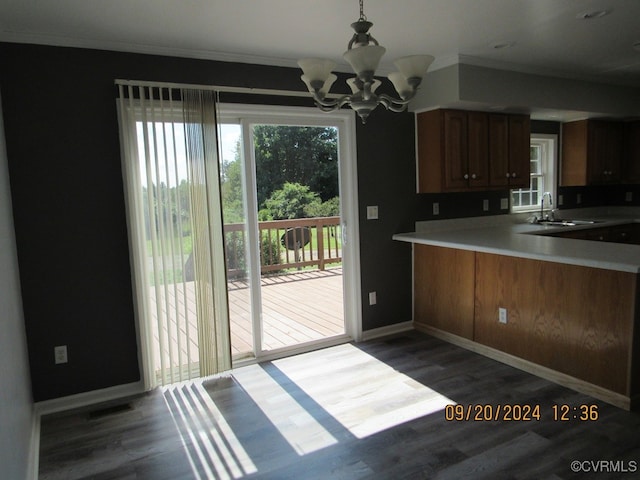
(363, 393)
(211, 446)
(298, 427)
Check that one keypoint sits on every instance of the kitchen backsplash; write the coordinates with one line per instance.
(471, 204)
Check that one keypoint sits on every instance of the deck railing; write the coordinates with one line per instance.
(285, 244)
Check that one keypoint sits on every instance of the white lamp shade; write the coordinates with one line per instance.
(364, 59)
(400, 83)
(414, 65)
(316, 68)
(325, 87)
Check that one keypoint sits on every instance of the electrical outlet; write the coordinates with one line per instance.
(628, 196)
(504, 204)
(436, 208)
(372, 298)
(372, 212)
(485, 205)
(578, 198)
(502, 315)
(560, 200)
(60, 354)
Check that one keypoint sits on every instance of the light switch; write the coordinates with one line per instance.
(504, 204)
(373, 298)
(372, 212)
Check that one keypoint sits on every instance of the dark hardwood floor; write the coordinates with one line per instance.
(372, 410)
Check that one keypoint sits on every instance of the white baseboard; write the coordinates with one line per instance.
(33, 466)
(84, 399)
(388, 330)
(582, 386)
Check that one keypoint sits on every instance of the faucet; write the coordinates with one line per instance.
(546, 194)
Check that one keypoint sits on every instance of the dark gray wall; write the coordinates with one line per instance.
(16, 405)
(68, 203)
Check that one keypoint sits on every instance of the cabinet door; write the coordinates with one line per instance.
(604, 152)
(629, 233)
(613, 159)
(499, 150)
(631, 158)
(456, 171)
(574, 154)
(478, 149)
(519, 151)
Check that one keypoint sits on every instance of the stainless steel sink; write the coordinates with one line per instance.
(567, 223)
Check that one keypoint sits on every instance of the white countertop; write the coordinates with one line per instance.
(502, 237)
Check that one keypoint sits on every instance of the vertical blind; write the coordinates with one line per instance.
(172, 184)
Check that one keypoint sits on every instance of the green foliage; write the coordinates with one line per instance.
(231, 189)
(304, 155)
(330, 208)
(234, 247)
(270, 251)
(286, 155)
(290, 201)
(171, 208)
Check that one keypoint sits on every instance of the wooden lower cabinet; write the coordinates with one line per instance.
(575, 320)
(443, 285)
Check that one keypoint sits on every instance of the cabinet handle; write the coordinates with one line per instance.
(508, 175)
(466, 176)
(513, 175)
(473, 175)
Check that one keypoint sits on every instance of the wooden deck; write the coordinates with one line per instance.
(296, 308)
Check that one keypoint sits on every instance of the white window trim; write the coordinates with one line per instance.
(549, 143)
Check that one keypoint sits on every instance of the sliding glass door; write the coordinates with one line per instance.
(287, 227)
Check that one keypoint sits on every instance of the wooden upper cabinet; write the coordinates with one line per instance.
(631, 157)
(454, 130)
(465, 150)
(519, 151)
(478, 149)
(591, 152)
(460, 150)
(499, 150)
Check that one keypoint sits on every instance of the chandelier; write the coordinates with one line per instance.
(364, 54)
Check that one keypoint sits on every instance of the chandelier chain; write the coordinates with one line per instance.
(362, 15)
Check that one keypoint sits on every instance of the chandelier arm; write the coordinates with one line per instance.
(394, 104)
(333, 104)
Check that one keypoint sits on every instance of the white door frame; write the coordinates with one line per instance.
(247, 115)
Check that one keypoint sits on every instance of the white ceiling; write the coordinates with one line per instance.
(546, 35)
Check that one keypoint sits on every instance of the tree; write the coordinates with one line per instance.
(294, 154)
(231, 188)
(330, 208)
(291, 201)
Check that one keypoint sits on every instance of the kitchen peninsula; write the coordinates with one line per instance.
(563, 308)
